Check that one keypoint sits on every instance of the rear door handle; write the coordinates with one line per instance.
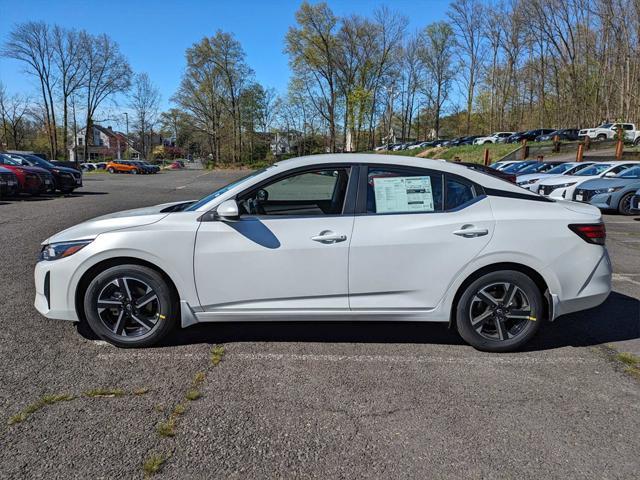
(471, 231)
(327, 236)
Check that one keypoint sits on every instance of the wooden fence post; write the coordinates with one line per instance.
(556, 143)
(580, 152)
(619, 142)
(525, 150)
(587, 142)
(485, 157)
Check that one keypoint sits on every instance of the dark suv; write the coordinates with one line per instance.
(66, 179)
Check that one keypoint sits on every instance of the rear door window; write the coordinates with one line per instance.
(403, 190)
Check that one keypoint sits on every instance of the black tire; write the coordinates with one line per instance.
(636, 142)
(139, 327)
(624, 206)
(134, 171)
(111, 170)
(67, 191)
(500, 332)
(601, 137)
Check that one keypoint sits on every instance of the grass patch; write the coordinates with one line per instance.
(104, 392)
(199, 378)
(628, 358)
(466, 153)
(217, 353)
(153, 464)
(168, 428)
(192, 395)
(34, 407)
(141, 391)
(180, 409)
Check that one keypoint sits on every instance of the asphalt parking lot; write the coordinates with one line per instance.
(314, 400)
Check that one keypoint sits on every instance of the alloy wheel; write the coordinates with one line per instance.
(500, 311)
(128, 307)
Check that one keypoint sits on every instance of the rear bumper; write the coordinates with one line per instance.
(592, 293)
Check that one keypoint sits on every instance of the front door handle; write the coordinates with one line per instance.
(327, 236)
(471, 231)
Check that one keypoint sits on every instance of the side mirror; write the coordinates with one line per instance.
(228, 210)
(610, 174)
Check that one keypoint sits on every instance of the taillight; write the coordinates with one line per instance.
(595, 233)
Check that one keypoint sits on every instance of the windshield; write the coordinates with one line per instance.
(536, 167)
(516, 167)
(222, 190)
(563, 167)
(630, 173)
(593, 170)
(8, 161)
(605, 125)
(36, 161)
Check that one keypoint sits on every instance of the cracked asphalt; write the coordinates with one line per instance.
(309, 400)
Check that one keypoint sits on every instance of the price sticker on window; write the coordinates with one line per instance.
(403, 194)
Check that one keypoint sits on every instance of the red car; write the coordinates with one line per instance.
(33, 180)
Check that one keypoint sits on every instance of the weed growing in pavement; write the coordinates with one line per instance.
(180, 409)
(141, 391)
(34, 407)
(192, 395)
(217, 353)
(168, 428)
(153, 464)
(632, 363)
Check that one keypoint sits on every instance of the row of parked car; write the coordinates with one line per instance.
(605, 131)
(30, 174)
(608, 185)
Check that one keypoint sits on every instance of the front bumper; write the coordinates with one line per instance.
(52, 297)
(563, 193)
(67, 181)
(8, 187)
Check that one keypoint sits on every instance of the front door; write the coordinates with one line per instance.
(288, 250)
(420, 228)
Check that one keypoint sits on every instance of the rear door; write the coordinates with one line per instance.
(415, 231)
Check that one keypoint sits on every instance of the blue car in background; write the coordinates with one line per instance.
(615, 193)
(635, 204)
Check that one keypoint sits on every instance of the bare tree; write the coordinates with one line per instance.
(32, 44)
(145, 101)
(68, 54)
(107, 73)
(467, 18)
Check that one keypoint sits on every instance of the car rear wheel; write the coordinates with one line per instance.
(111, 170)
(601, 137)
(130, 306)
(624, 207)
(500, 311)
(134, 171)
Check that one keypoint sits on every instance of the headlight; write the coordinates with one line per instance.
(613, 189)
(564, 185)
(528, 182)
(54, 251)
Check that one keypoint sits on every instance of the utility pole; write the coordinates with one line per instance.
(126, 153)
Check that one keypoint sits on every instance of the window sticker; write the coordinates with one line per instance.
(403, 194)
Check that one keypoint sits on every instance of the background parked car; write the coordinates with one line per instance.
(570, 134)
(497, 137)
(611, 193)
(529, 135)
(123, 166)
(31, 180)
(531, 180)
(65, 179)
(8, 183)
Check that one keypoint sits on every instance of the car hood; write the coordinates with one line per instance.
(72, 171)
(599, 183)
(114, 221)
(559, 180)
(534, 176)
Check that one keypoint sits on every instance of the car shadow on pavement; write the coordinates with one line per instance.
(615, 320)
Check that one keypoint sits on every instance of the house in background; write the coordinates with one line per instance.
(107, 144)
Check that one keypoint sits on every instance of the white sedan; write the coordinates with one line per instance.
(334, 237)
(562, 187)
(531, 180)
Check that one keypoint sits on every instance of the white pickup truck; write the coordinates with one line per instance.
(608, 131)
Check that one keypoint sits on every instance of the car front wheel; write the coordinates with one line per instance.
(500, 311)
(130, 306)
(624, 207)
(111, 170)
